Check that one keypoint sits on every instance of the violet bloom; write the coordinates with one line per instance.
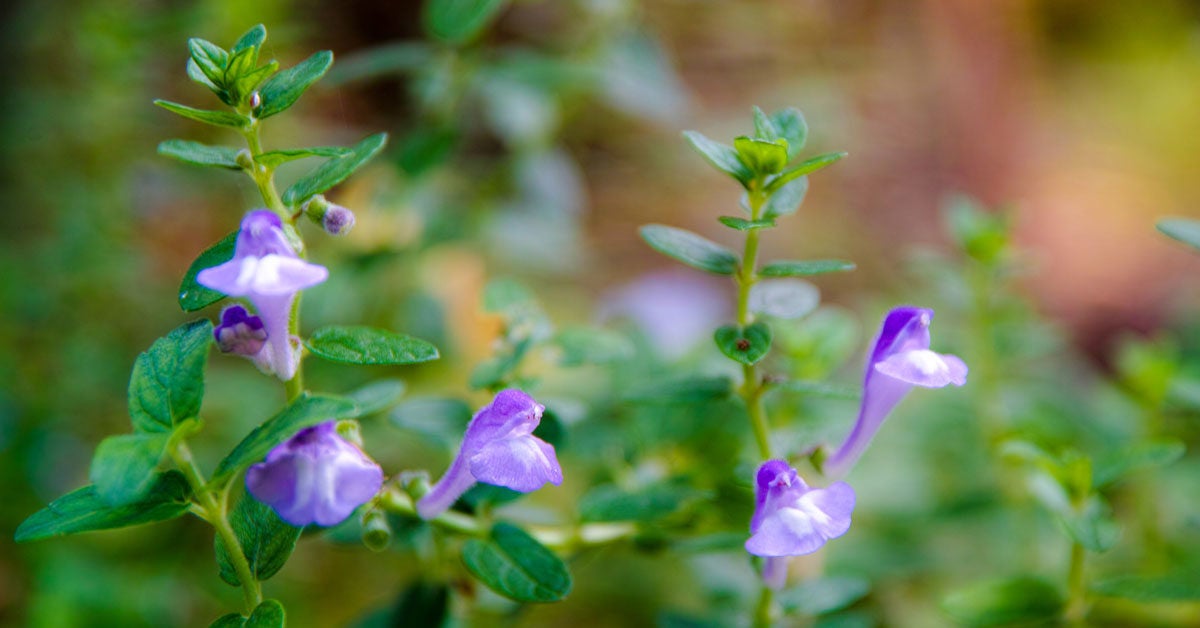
(315, 477)
(266, 270)
(242, 333)
(499, 448)
(899, 360)
(791, 518)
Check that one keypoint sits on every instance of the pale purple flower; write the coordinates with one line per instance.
(315, 477)
(240, 333)
(674, 309)
(899, 360)
(498, 448)
(791, 518)
(266, 270)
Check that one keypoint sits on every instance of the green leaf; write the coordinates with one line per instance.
(377, 396)
(123, 468)
(252, 38)
(784, 298)
(248, 82)
(439, 420)
(1093, 527)
(218, 118)
(82, 510)
(747, 345)
(763, 157)
(741, 224)
(274, 158)
(200, 154)
(229, 620)
(334, 171)
(285, 88)
(649, 503)
(690, 249)
(801, 268)
(241, 63)
(682, 390)
(823, 595)
(268, 614)
(1180, 587)
(590, 345)
(725, 158)
(210, 57)
(1116, 465)
(1186, 230)
(167, 383)
(424, 604)
(515, 565)
(368, 345)
(198, 75)
(193, 296)
(494, 372)
(459, 21)
(306, 411)
(786, 199)
(764, 126)
(805, 167)
(266, 540)
(1003, 602)
(818, 389)
(790, 125)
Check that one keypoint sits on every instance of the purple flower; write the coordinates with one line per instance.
(315, 477)
(266, 270)
(337, 220)
(791, 519)
(899, 360)
(240, 332)
(674, 309)
(499, 448)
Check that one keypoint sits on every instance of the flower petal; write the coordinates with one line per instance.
(922, 367)
(523, 463)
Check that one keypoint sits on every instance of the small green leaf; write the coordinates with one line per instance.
(794, 268)
(167, 383)
(1093, 527)
(786, 199)
(368, 345)
(196, 74)
(746, 345)
(439, 420)
(285, 88)
(266, 540)
(334, 171)
(824, 595)
(741, 224)
(248, 82)
(193, 296)
(515, 565)
(805, 167)
(784, 298)
(82, 510)
(306, 411)
(764, 126)
(252, 38)
(268, 614)
(459, 21)
(1186, 230)
(123, 467)
(725, 158)
(274, 158)
(590, 345)
(218, 118)
(1114, 466)
(790, 125)
(682, 390)
(211, 58)
(656, 501)
(818, 389)
(377, 396)
(1179, 587)
(493, 373)
(1004, 602)
(229, 620)
(763, 157)
(690, 249)
(240, 63)
(200, 154)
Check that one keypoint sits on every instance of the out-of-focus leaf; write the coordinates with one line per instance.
(284, 89)
(638, 78)
(268, 614)
(805, 167)
(784, 298)
(376, 61)
(785, 199)
(1186, 230)
(123, 468)
(590, 345)
(689, 248)
(167, 383)
(824, 595)
(193, 296)
(334, 171)
(791, 268)
(649, 503)
(306, 411)
(683, 390)
(746, 345)
(1116, 465)
(741, 224)
(724, 157)
(437, 419)
(1093, 527)
(368, 345)
(200, 154)
(515, 565)
(217, 118)
(789, 124)
(1181, 587)
(459, 21)
(426, 148)
(267, 541)
(763, 157)
(1005, 602)
(82, 510)
(377, 396)
(819, 389)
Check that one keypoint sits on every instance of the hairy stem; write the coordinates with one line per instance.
(747, 275)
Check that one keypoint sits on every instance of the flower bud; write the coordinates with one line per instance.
(334, 219)
(376, 533)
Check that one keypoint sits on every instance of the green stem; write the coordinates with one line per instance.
(213, 510)
(1076, 587)
(747, 276)
(762, 612)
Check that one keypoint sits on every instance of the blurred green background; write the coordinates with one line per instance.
(535, 152)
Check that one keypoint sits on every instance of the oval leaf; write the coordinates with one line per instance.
(764, 157)
(82, 510)
(784, 298)
(274, 158)
(515, 565)
(266, 540)
(123, 467)
(746, 345)
(377, 396)
(200, 154)
(725, 158)
(805, 167)
(334, 171)
(741, 224)
(284, 89)
(368, 345)
(458, 21)
(193, 296)
(167, 383)
(1181, 587)
(786, 199)
(824, 595)
(218, 118)
(268, 614)
(589, 345)
(1004, 602)
(791, 268)
(690, 249)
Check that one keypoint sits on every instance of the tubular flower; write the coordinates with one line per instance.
(792, 519)
(899, 360)
(315, 477)
(498, 448)
(266, 270)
